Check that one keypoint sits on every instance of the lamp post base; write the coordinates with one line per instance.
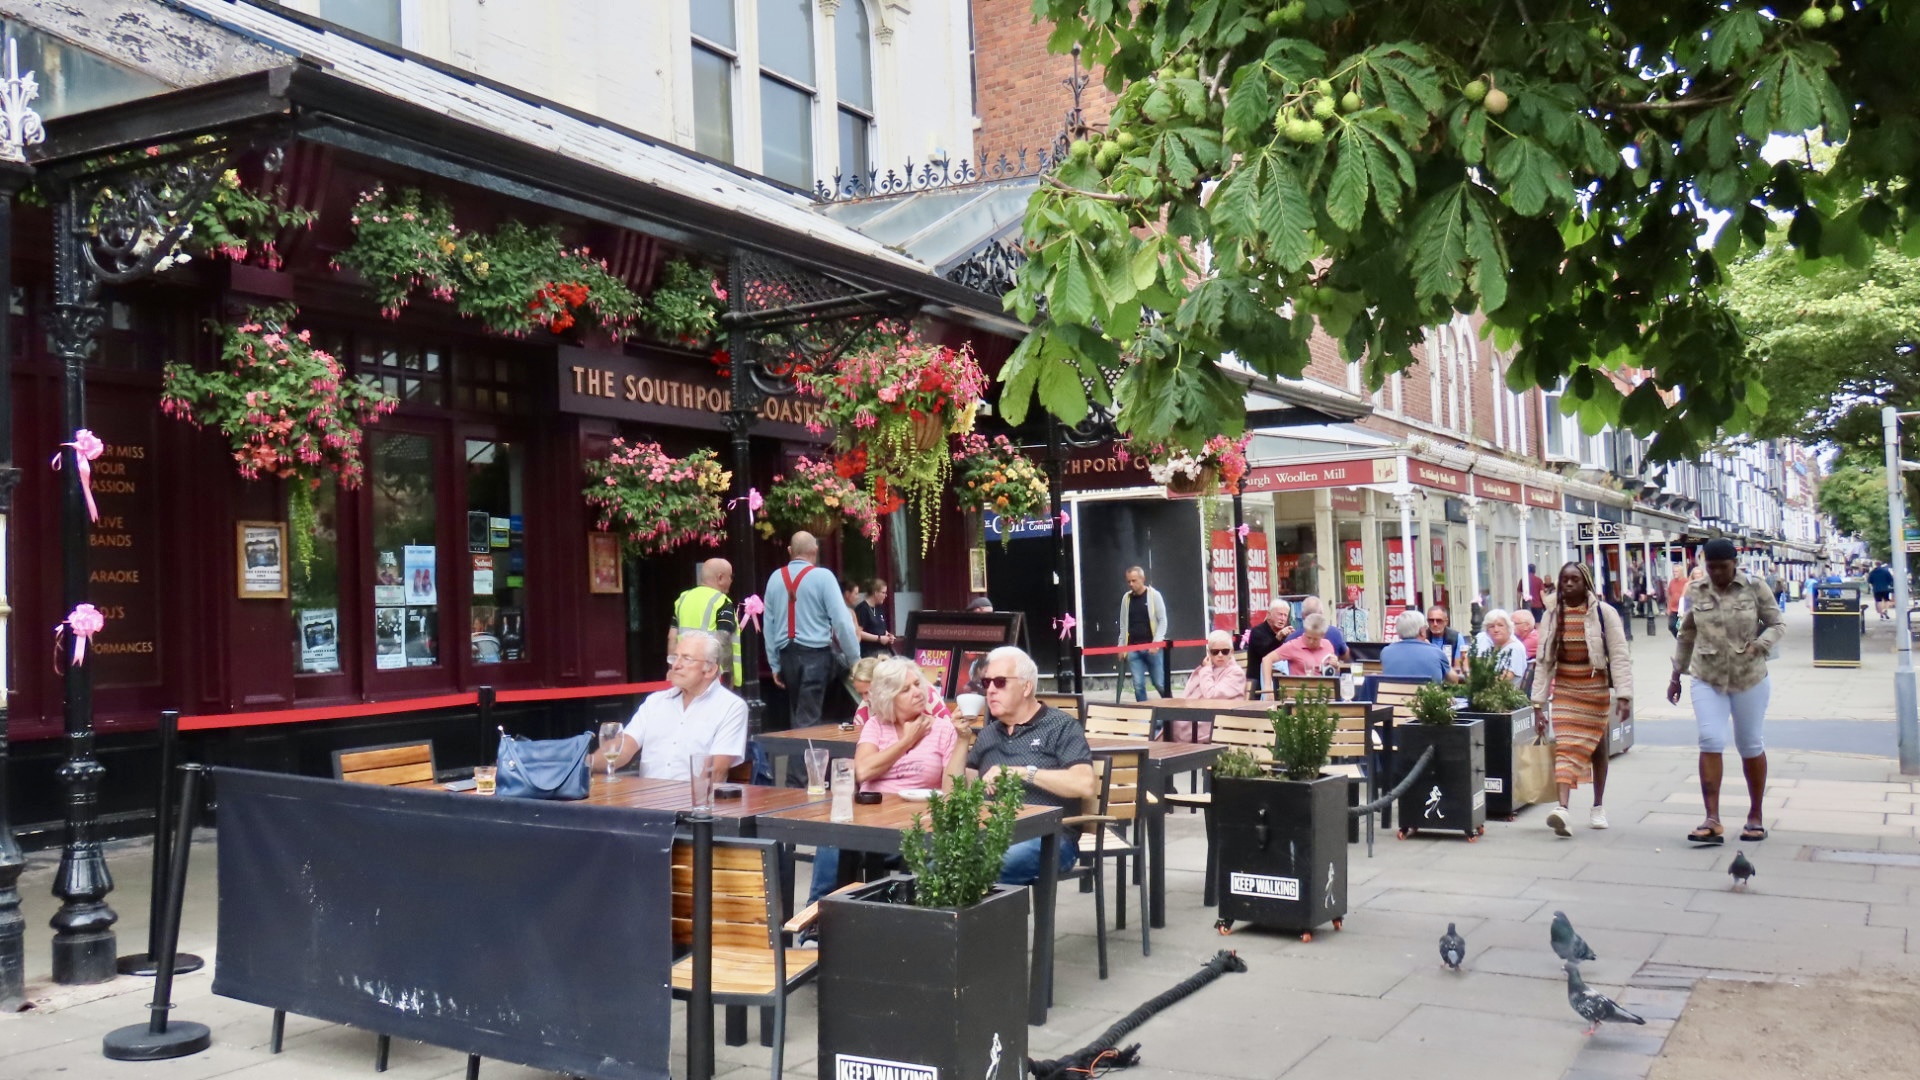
(138, 1042)
(79, 959)
(142, 964)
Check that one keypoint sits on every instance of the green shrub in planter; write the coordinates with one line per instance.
(1238, 763)
(956, 862)
(1432, 705)
(1302, 734)
(1487, 690)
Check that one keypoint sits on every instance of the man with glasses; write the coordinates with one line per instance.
(1044, 747)
(1219, 679)
(697, 717)
(1449, 640)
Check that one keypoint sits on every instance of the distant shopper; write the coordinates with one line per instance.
(980, 604)
(1143, 621)
(1880, 580)
(1217, 678)
(1730, 627)
(1412, 656)
(806, 628)
(1584, 659)
(1530, 592)
(870, 621)
(1266, 637)
(1676, 592)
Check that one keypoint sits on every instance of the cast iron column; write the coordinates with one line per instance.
(1066, 672)
(13, 177)
(83, 939)
(1243, 594)
(742, 405)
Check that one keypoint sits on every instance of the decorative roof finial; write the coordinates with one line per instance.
(19, 123)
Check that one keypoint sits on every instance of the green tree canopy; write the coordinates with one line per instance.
(1373, 166)
(1854, 495)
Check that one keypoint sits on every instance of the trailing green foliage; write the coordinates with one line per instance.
(956, 859)
(1432, 704)
(1303, 733)
(1582, 172)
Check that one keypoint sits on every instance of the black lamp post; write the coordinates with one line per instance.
(743, 407)
(13, 177)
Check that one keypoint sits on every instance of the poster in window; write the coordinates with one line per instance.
(387, 588)
(483, 575)
(497, 532)
(936, 666)
(603, 563)
(484, 635)
(423, 644)
(389, 637)
(422, 590)
(479, 531)
(512, 634)
(262, 560)
(319, 640)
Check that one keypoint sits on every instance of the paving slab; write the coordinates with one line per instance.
(1734, 954)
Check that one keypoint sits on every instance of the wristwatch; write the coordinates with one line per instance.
(1032, 771)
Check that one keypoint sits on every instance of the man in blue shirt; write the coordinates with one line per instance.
(1880, 580)
(1312, 606)
(1412, 656)
(807, 624)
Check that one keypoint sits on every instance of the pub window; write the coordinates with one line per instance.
(71, 79)
(496, 550)
(412, 373)
(787, 91)
(406, 596)
(715, 58)
(853, 60)
(316, 591)
(374, 18)
(484, 382)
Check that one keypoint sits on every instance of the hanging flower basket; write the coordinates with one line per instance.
(817, 498)
(929, 432)
(655, 502)
(289, 410)
(824, 525)
(1198, 483)
(1218, 466)
(992, 476)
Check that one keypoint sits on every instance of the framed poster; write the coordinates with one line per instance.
(261, 559)
(977, 570)
(603, 563)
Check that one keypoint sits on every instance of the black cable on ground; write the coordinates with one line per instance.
(1419, 766)
(1099, 1056)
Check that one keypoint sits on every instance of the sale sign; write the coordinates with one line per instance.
(1353, 569)
(1223, 579)
(1398, 591)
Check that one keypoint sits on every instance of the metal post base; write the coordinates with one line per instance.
(137, 1042)
(142, 964)
(79, 959)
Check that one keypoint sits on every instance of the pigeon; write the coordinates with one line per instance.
(1453, 948)
(1593, 1006)
(1568, 945)
(1742, 869)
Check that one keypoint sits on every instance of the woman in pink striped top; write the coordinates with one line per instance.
(908, 737)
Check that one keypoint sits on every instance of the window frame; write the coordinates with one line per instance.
(730, 54)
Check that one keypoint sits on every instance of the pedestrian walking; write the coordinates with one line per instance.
(1676, 593)
(1880, 580)
(870, 618)
(1730, 627)
(1584, 659)
(1532, 593)
(808, 626)
(1143, 620)
(706, 608)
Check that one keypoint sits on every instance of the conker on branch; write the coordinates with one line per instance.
(1323, 108)
(1495, 103)
(1813, 18)
(1475, 91)
(1350, 102)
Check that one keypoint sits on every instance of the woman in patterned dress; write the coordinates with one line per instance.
(1583, 660)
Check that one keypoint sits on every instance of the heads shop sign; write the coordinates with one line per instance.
(670, 391)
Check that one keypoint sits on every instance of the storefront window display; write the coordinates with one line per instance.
(316, 592)
(406, 590)
(496, 550)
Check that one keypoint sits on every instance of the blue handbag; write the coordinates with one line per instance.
(542, 768)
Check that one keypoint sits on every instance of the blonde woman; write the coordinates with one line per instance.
(908, 741)
(1583, 660)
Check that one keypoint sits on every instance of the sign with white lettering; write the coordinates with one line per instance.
(1427, 474)
(1599, 530)
(1501, 490)
(598, 382)
(1263, 886)
(1322, 474)
(849, 1067)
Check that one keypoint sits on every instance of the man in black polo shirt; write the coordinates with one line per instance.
(1043, 746)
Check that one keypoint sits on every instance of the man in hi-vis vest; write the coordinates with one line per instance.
(706, 607)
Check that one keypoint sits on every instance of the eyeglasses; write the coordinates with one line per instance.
(998, 682)
(675, 660)
(1219, 652)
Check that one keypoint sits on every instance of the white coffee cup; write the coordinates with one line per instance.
(972, 704)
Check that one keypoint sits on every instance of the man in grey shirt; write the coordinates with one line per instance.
(807, 624)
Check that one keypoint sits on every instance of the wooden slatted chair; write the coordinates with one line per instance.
(1120, 721)
(1395, 691)
(751, 963)
(392, 765)
(1071, 704)
(1288, 687)
(1121, 803)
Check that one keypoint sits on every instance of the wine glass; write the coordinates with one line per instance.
(610, 733)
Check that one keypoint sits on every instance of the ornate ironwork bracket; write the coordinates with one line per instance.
(993, 269)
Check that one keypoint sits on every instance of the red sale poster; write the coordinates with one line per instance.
(1397, 574)
(1223, 578)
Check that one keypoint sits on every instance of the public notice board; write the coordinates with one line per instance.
(520, 930)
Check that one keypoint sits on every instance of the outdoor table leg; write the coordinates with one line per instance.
(1040, 985)
(1157, 851)
(736, 1025)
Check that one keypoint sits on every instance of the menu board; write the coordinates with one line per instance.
(123, 560)
(950, 646)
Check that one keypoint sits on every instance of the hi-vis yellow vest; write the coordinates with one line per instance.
(699, 609)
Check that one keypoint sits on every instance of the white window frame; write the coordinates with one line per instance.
(735, 57)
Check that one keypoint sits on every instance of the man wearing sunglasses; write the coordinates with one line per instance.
(1218, 678)
(1044, 747)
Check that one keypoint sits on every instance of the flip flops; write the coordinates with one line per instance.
(1708, 834)
(1753, 833)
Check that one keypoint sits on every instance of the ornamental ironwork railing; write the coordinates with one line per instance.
(938, 174)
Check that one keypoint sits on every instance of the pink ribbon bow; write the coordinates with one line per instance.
(1066, 520)
(754, 501)
(84, 622)
(1245, 637)
(1066, 623)
(750, 611)
(1243, 529)
(86, 447)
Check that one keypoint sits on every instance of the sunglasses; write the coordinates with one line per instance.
(1219, 652)
(998, 682)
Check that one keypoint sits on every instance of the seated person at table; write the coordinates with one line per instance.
(1312, 606)
(1309, 654)
(1217, 678)
(909, 741)
(696, 716)
(1413, 656)
(1527, 632)
(1496, 636)
(1044, 747)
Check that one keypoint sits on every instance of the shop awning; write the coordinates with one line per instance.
(415, 112)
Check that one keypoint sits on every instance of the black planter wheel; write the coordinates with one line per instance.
(1306, 937)
(1223, 927)
(1339, 924)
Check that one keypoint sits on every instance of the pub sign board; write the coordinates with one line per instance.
(952, 646)
(670, 391)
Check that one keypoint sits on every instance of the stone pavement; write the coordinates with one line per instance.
(1838, 891)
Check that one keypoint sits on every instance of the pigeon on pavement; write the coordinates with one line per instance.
(1742, 869)
(1593, 1006)
(1568, 945)
(1453, 948)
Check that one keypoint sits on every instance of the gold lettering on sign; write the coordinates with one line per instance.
(115, 577)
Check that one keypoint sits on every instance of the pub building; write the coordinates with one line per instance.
(467, 558)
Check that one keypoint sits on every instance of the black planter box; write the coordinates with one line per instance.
(1282, 851)
(1451, 795)
(922, 993)
(1501, 752)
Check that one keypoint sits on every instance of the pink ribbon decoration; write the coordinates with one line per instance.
(84, 622)
(750, 611)
(1066, 623)
(1245, 637)
(1243, 529)
(754, 501)
(1066, 520)
(86, 447)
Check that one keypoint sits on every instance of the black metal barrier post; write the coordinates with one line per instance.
(158, 1040)
(486, 720)
(143, 963)
(700, 999)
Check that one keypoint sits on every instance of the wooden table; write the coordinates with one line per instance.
(731, 817)
(876, 828)
(781, 745)
(1165, 760)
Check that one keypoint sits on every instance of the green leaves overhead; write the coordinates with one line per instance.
(1272, 167)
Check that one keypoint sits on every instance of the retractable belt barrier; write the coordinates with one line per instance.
(215, 721)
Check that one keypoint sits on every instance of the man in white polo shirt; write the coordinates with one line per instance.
(698, 716)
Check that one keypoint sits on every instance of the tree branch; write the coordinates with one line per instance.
(1098, 196)
(1676, 103)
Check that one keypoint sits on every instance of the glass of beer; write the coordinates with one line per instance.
(610, 733)
(483, 779)
(817, 758)
(701, 780)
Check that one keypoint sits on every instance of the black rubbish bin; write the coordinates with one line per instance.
(1836, 626)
